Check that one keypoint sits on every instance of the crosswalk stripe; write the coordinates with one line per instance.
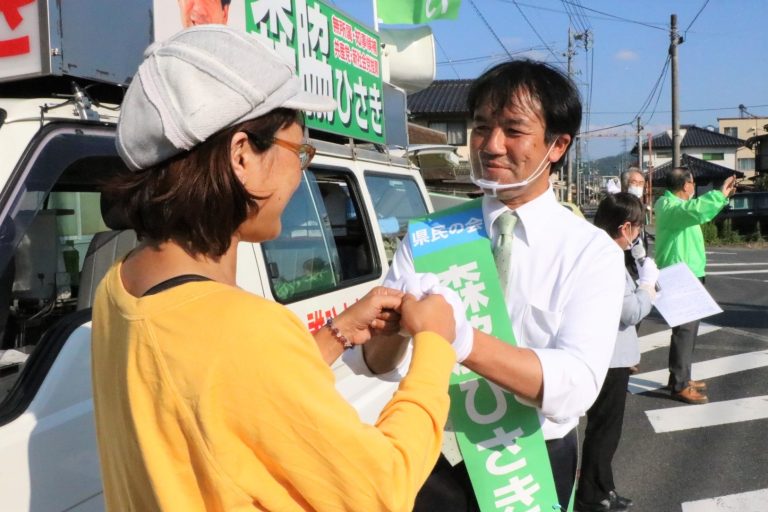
(717, 413)
(661, 339)
(742, 502)
(733, 272)
(650, 381)
(735, 264)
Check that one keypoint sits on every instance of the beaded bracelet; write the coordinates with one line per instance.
(337, 334)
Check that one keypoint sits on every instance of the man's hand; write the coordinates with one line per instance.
(729, 186)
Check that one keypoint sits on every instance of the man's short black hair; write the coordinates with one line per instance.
(555, 92)
(677, 178)
(225, 3)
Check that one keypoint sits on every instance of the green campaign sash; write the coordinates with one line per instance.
(500, 438)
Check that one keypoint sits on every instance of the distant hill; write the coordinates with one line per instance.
(612, 165)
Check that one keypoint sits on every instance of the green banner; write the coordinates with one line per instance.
(334, 56)
(500, 438)
(410, 12)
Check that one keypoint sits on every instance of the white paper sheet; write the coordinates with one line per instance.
(683, 298)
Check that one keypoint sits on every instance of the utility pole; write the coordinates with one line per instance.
(577, 36)
(675, 40)
(639, 145)
(569, 172)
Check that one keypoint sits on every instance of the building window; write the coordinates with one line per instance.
(455, 131)
(746, 164)
(731, 131)
(713, 156)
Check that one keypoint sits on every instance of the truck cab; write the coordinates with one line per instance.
(58, 236)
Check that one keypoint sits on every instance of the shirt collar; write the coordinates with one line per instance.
(533, 216)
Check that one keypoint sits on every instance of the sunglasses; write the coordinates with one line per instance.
(305, 152)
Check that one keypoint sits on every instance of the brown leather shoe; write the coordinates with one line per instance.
(691, 395)
(698, 385)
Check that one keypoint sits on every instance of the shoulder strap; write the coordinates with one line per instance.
(175, 281)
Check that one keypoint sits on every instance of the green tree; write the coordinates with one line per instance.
(709, 230)
(761, 183)
(728, 235)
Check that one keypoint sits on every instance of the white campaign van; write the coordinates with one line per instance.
(63, 69)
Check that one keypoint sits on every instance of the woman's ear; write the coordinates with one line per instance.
(239, 148)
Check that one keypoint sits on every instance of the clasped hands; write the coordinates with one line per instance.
(409, 305)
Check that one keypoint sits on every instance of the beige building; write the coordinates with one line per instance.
(744, 128)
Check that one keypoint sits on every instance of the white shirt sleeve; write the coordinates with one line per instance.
(402, 264)
(575, 367)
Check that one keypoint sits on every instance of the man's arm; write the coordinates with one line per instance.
(515, 369)
(563, 381)
(703, 208)
(381, 353)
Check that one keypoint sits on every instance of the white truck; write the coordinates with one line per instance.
(63, 69)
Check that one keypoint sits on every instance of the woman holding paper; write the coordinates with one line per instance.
(621, 216)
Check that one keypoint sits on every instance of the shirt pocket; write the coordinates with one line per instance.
(540, 326)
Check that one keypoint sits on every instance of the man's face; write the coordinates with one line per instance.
(508, 146)
(636, 180)
(200, 12)
(690, 189)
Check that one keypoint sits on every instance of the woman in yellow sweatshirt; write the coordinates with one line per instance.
(208, 397)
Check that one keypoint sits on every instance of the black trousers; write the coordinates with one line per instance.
(448, 488)
(601, 438)
(681, 349)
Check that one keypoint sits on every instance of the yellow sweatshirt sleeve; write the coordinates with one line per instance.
(282, 403)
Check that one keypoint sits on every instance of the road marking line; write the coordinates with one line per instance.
(742, 502)
(707, 415)
(750, 280)
(733, 272)
(651, 381)
(728, 253)
(660, 339)
(735, 264)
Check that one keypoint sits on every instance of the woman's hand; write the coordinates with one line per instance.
(432, 313)
(376, 313)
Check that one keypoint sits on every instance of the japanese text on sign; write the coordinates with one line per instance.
(333, 57)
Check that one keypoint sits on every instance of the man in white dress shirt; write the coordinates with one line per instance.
(566, 277)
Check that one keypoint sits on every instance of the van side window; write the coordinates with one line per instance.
(44, 237)
(396, 200)
(324, 243)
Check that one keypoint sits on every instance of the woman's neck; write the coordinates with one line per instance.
(150, 264)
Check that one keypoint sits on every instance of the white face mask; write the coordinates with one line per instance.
(636, 191)
(492, 188)
(637, 251)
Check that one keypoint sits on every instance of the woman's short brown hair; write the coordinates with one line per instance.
(195, 199)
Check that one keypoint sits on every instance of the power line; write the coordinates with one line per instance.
(446, 56)
(488, 25)
(573, 17)
(604, 129)
(532, 28)
(479, 58)
(655, 87)
(685, 32)
(579, 9)
(619, 17)
(658, 95)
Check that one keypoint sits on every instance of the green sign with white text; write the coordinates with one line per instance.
(500, 439)
(334, 56)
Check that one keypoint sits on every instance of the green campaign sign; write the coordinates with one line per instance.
(334, 56)
(499, 438)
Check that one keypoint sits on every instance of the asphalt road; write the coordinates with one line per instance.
(705, 458)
